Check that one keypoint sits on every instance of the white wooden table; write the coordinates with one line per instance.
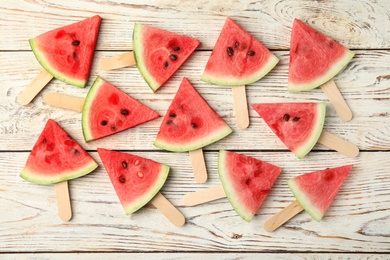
(356, 226)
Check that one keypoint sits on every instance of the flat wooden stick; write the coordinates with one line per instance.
(198, 165)
(118, 61)
(203, 196)
(64, 101)
(337, 143)
(283, 216)
(169, 211)
(35, 86)
(240, 106)
(63, 200)
(336, 99)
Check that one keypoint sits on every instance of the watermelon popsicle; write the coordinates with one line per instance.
(299, 125)
(314, 60)
(236, 60)
(246, 182)
(157, 53)
(56, 158)
(65, 53)
(314, 192)
(137, 181)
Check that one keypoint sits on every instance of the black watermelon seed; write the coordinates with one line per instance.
(124, 112)
(124, 164)
(74, 55)
(246, 181)
(236, 45)
(296, 119)
(122, 179)
(194, 125)
(251, 53)
(104, 122)
(230, 51)
(76, 152)
(44, 140)
(172, 115)
(169, 122)
(166, 64)
(113, 128)
(286, 117)
(173, 57)
(176, 49)
(76, 43)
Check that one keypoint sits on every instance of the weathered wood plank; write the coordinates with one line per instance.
(357, 221)
(364, 84)
(363, 27)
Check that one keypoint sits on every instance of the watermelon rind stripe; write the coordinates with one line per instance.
(333, 71)
(224, 80)
(228, 188)
(138, 49)
(38, 178)
(142, 201)
(194, 144)
(40, 56)
(304, 200)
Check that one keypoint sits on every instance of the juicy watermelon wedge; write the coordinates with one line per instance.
(237, 58)
(315, 191)
(108, 110)
(298, 125)
(246, 181)
(56, 157)
(136, 180)
(67, 52)
(190, 123)
(314, 58)
(159, 53)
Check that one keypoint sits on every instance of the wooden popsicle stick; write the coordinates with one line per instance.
(64, 101)
(336, 99)
(339, 144)
(198, 165)
(169, 211)
(283, 216)
(35, 86)
(119, 61)
(203, 196)
(63, 200)
(240, 106)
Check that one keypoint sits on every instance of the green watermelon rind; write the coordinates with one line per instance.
(35, 177)
(239, 81)
(133, 207)
(304, 200)
(138, 49)
(333, 71)
(196, 144)
(229, 190)
(39, 55)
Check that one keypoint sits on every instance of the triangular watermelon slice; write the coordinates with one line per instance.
(315, 191)
(314, 58)
(56, 157)
(159, 53)
(67, 52)
(108, 110)
(136, 180)
(246, 181)
(237, 58)
(190, 123)
(298, 125)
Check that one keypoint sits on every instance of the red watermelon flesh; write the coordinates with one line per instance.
(190, 123)
(108, 110)
(237, 58)
(315, 191)
(136, 180)
(247, 181)
(67, 52)
(298, 125)
(314, 58)
(56, 157)
(159, 53)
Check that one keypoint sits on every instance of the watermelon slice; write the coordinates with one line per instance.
(56, 157)
(314, 58)
(315, 191)
(298, 125)
(159, 53)
(108, 110)
(67, 52)
(136, 180)
(190, 123)
(237, 58)
(246, 181)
